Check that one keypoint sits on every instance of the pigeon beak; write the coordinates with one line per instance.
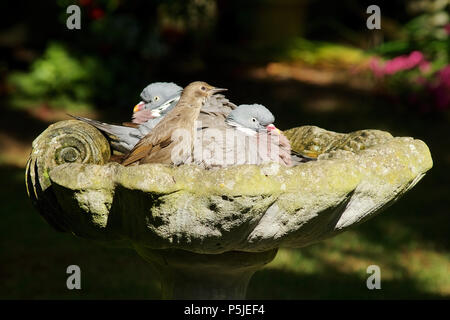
(139, 106)
(271, 128)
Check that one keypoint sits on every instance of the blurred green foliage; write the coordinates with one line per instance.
(325, 53)
(56, 78)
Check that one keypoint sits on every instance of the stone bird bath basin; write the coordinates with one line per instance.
(207, 231)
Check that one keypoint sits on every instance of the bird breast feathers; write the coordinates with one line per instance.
(160, 137)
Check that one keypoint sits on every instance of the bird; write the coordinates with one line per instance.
(161, 145)
(247, 136)
(157, 99)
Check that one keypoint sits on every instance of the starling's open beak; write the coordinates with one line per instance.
(271, 128)
(215, 90)
(139, 106)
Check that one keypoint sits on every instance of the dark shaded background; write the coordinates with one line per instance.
(307, 60)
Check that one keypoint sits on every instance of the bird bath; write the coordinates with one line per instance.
(208, 231)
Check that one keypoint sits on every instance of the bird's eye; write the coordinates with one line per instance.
(254, 119)
(156, 98)
(203, 88)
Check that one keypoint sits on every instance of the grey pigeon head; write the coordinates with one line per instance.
(158, 99)
(160, 91)
(157, 94)
(251, 116)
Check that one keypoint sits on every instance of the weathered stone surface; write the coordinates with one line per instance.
(313, 141)
(205, 276)
(68, 141)
(243, 208)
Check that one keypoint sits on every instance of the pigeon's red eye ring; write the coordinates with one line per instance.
(203, 88)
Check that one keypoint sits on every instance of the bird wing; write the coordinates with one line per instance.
(157, 139)
(139, 151)
(130, 124)
(121, 138)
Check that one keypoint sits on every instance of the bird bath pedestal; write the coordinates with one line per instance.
(207, 231)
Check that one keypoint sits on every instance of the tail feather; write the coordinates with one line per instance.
(122, 138)
(108, 128)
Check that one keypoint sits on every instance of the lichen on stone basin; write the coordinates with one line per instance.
(247, 207)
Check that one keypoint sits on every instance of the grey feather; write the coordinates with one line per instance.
(122, 138)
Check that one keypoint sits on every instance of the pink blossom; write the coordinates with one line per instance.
(400, 63)
(404, 62)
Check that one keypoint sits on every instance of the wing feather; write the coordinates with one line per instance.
(138, 153)
(130, 124)
(158, 138)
